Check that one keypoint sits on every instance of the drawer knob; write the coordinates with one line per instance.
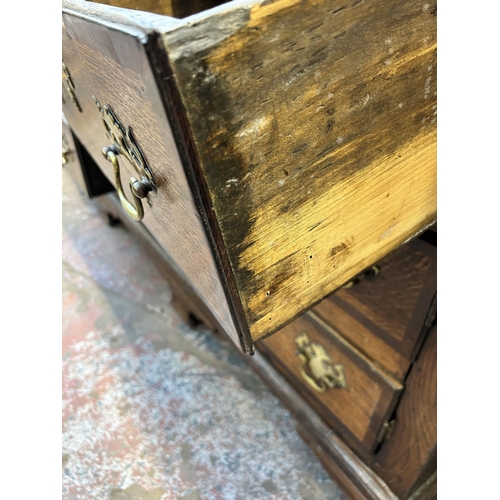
(139, 189)
(317, 367)
(124, 144)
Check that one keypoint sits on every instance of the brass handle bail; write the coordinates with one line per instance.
(139, 189)
(124, 144)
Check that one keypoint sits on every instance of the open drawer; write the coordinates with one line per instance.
(276, 148)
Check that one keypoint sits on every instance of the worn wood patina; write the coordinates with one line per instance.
(306, 131)
(293, 146)
(315, 133)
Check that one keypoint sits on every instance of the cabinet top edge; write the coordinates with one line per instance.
(118, 17)
(148, 21)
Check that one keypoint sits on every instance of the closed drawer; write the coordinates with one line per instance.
(387, 315)
(283, 152)
(357, 400)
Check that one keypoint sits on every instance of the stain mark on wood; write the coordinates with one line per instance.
(299, 102)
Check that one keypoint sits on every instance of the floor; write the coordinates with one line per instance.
(153, 409)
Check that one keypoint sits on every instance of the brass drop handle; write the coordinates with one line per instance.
(139, 189)
(317, 367)
(124, 144)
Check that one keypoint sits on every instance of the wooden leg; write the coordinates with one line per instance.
(113, 221)
(184, 310)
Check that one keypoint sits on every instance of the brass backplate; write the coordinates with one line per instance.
(317, 366)
(126, 145)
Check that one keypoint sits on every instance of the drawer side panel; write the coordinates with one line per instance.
(315, 129)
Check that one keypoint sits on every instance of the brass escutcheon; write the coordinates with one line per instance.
(317, 367)
(124, 143)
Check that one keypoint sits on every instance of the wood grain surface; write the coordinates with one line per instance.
(356, 411)
(408, 458)
(315, 133)
(428, 490)
(396, 302)
(163, 7)
(363, 338)
(306, 132)
(384, 315)
(294, 145)
(111, 65)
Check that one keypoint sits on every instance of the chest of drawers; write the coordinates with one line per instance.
(269, 154)
(358, 370)
(274, 149)
(365, 360)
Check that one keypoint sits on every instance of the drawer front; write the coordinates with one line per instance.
(384, 315)
(363, 338)
(350, 393)
(110, 65)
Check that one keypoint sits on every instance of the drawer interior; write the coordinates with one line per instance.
(172, 8)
